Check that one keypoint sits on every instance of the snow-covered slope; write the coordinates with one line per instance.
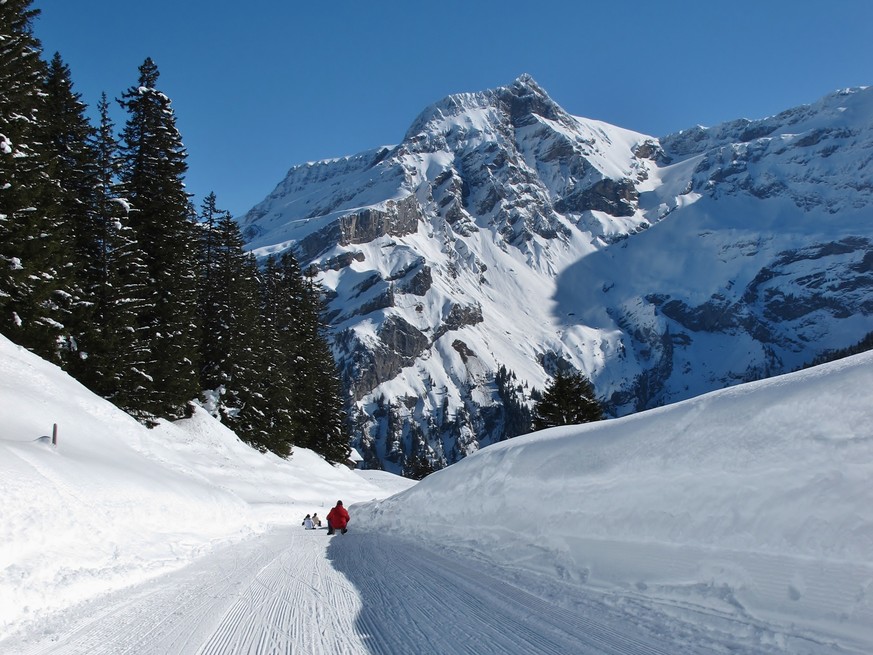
(754, 502)
(739, 521)
(504, 232)
(115, 503)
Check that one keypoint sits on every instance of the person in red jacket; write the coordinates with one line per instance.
(337, 518)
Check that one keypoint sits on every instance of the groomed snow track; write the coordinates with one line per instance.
(298, 591)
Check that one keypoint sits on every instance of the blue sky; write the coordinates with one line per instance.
(259, 86)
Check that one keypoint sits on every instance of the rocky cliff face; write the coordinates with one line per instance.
(503, 239)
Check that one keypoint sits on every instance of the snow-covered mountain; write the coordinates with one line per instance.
(504, 238)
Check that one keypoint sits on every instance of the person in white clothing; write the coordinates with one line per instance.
(308, 524)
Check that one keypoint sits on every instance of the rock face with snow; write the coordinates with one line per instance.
(504, 238)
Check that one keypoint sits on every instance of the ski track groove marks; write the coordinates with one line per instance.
(130, 621)
(443, 605)
(295, 603)
(172, 614)
(298, 591)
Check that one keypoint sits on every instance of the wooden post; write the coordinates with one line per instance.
(55, 434)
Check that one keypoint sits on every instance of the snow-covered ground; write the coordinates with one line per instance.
(740, 521)
(114, 503)
(754, 503)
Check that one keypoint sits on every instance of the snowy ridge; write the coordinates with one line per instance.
(752, 500)
(306, 207)
(816, 155)
(505, 232)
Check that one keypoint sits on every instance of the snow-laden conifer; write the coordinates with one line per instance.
(153, 176)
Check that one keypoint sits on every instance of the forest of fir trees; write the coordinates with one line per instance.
(107, 270)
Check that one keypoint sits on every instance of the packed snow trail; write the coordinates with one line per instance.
(299, 591)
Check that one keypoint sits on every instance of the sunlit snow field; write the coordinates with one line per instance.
(749, 508)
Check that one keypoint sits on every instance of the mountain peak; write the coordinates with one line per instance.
(525, 98)
(519, 101)
(526, 81)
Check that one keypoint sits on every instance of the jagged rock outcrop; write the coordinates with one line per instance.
(397, 345)
(363, 226)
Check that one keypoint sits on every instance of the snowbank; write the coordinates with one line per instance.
(751, 504)
(115, 503)
(756, 500)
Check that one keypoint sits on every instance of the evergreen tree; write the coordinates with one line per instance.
(244, 403)
(275, 429)
(319, 419)
(68, 139)
(213, 299)
(293, 321)
(419, 468)
(302, 387)
(516, 413)
(865, 344)
(117, 279)
(230, 302)
(568, 400)
(325, 428)
(33, 293)
(98, 259)
(153, 177)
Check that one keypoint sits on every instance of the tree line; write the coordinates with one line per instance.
(107, 270)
